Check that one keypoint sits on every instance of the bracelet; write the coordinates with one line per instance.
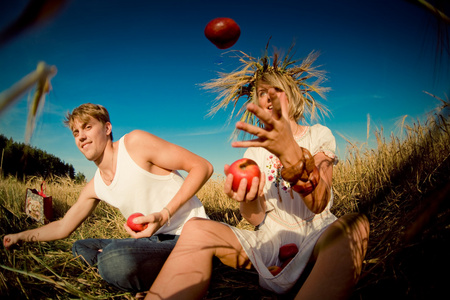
(170, 216)
(306, 188)
(300, 170)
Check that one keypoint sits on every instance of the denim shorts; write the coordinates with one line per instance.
(128, 264)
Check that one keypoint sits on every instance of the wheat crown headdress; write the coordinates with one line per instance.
(241, 82)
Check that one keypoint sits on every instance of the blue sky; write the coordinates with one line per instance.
(144, 61)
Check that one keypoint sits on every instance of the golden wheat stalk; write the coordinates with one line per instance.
(42, 74)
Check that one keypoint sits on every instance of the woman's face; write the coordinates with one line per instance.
(264, 101)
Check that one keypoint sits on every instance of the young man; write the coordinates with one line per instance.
(135, 174)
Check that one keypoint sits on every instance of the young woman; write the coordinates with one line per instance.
(289, 203)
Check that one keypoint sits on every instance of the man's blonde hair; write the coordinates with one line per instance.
(84, 112)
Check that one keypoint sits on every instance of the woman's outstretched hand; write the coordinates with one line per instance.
(276, 135)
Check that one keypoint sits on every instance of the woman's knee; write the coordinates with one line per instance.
(358, 228)
(195, 226)
(350, 231)
(213, 237)
(195, 223)
(355, 228)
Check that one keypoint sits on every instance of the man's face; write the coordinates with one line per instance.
(91, 138)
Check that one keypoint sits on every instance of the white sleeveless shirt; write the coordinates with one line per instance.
(137, 190)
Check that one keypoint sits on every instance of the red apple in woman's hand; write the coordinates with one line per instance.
(134, 226)
(243, 168)
(222, 32)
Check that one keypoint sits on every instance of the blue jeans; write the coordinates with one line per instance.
(129, 264)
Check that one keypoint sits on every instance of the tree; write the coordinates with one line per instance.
(22, 160)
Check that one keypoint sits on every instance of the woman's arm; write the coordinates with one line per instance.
(277, 138)
(318, 199)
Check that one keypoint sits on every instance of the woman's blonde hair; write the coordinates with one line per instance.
(279, 71)
(84, 112)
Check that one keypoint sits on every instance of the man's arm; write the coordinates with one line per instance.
(160, 157)
(62, 228)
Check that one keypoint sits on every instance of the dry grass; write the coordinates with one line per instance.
(402, 185)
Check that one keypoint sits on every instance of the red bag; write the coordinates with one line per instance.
(38, 205)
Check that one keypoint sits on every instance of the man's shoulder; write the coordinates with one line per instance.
(137, 138)
(137, 135)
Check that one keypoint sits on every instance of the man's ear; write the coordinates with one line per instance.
(108, 126)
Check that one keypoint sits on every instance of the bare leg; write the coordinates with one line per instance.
(187, 271)
(338, 256)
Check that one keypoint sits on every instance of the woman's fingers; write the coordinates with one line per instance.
(263, 116)
(272, 121)
(242, 194)
(252, 129)
(260, 133)
(261, 184)
(252, 194)
(228, 184)
(276, 104)
(247, 144)
(238, 195)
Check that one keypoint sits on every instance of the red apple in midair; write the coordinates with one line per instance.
(222, 32)
(243, 168)
(134, 226)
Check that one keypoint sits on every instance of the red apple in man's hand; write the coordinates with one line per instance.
(287, 251)
(243, 168)
(134, 226)
(222, 32)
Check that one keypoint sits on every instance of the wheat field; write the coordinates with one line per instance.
(401, 184)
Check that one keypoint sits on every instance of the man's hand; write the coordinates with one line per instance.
(10, 240)
(155, 222)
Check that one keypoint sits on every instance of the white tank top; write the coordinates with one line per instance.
(136, 190)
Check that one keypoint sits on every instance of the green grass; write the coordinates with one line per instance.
(402, 185)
